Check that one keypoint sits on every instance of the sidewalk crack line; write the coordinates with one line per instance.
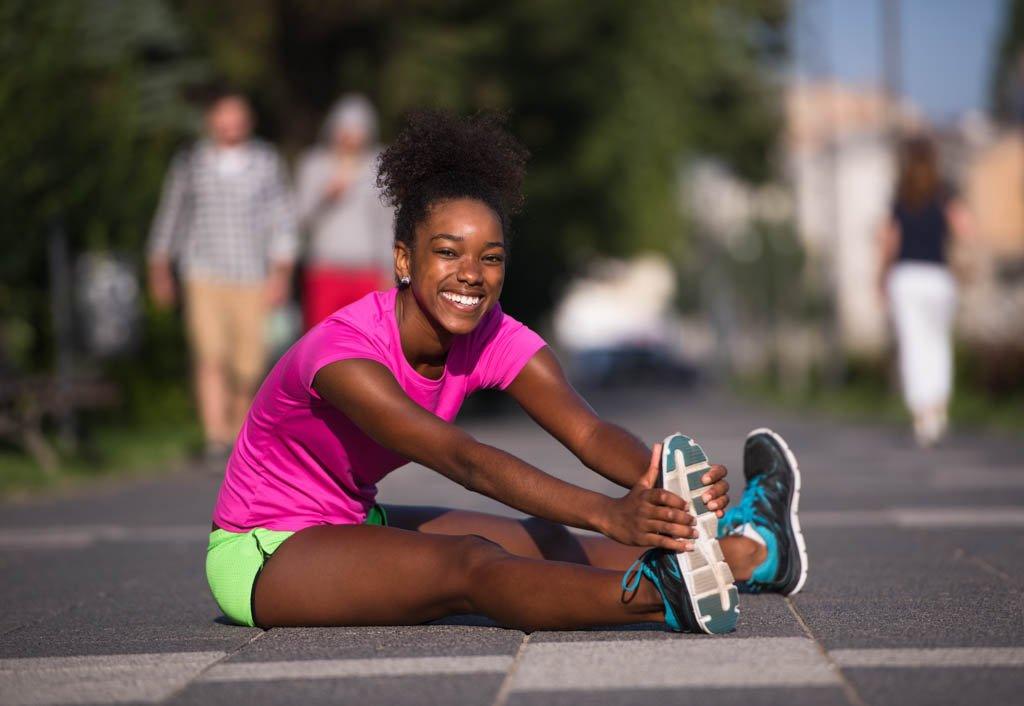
(848, 689)
(506, 685)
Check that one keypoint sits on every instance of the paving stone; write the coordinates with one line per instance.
(938, 687)
(879, 588)
(804, 696)
(418, 641)
(646, 664)
(375, 691)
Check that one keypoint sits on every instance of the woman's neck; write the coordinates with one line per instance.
(425, 344)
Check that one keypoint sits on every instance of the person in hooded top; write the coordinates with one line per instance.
(349, 248)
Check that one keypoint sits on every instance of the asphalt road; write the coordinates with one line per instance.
(914, 595)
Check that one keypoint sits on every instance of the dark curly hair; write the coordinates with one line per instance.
(440, 156)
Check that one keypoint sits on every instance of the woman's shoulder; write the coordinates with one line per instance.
(359, 330)
(499, 329)
(369, 316)
(499, 348)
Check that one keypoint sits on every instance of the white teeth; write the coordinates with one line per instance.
(461, 299)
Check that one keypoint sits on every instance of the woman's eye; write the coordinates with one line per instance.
(445, 252)
(495, 259)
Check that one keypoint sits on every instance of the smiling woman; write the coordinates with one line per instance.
(298, 537)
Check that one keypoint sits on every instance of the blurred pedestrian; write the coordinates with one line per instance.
(226, 219)
(919, 286)
(350, 243)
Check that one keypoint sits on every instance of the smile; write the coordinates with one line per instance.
(462, 301)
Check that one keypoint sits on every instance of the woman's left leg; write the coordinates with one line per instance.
(537, 538)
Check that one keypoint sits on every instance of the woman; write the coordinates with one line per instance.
(350, 229)
(298, 538)
(921, 291)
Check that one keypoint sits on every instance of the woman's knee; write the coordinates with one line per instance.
(477, 552)
(476, 555)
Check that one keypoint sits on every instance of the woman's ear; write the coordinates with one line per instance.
(403, 261)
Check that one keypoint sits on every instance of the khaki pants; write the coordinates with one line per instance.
(225, 326)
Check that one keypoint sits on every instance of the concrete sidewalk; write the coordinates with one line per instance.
(915, 594)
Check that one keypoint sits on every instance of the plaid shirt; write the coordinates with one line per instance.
(225, 226)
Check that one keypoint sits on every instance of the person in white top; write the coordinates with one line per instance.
(349, 251)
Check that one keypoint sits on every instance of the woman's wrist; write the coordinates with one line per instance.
(598, 519)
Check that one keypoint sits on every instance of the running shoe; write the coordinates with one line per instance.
(768, 513)
(697, 586)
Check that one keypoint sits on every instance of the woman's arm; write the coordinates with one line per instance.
(888, 237)
(964, 255)
(961, 224)
(311, 183)
(369, 395)
(542, 389)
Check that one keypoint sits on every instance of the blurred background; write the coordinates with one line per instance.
(704, 200)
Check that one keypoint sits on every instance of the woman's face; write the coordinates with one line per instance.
(458, 265)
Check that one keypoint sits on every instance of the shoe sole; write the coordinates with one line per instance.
(796, 535)
(714, 598)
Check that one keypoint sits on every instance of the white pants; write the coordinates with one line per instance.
(923, 300)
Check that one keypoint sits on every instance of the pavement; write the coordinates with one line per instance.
(915, 593)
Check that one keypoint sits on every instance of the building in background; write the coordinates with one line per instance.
(840, 162)
(841, 165)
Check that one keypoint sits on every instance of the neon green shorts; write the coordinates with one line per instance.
(234, 561)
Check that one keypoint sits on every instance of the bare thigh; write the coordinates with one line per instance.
(362, 575)
(532, 537)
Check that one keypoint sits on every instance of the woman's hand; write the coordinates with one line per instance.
(653, 517)
(161, 283)
(716, 497)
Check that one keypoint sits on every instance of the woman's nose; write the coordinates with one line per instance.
(470, 272)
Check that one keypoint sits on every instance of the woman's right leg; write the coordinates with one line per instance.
(366, 575)
(537, 538)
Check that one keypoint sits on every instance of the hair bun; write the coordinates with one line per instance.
(436, 143)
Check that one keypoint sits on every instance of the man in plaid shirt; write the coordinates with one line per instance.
(226, 218)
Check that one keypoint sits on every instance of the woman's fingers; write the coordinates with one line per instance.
(668, 514)
(719, 505)
(666, 498)
(670, 529)
(673, 545)
(714, 495)
(650, 477)
(716, 473)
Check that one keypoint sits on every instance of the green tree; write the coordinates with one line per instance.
(91, 105)
(1007, 80)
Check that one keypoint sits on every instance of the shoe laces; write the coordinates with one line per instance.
(747, 510)
(635, 572)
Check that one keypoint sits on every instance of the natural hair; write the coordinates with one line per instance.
(211, 95)
(440, 156)
(919, 173)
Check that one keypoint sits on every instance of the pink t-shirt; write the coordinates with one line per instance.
(299, 461)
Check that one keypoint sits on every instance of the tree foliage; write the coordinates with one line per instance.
(91, 96)
(609, 96)
(1007, 82)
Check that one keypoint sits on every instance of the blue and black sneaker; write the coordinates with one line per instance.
(767, 513)
(684, 612)
(697, 586)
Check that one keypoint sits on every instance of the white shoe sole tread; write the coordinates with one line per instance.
(705, 571)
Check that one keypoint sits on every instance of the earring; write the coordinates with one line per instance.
(404, 281)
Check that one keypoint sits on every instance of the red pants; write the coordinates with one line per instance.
(327, 289)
